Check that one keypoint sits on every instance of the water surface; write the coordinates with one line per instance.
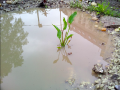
(30, 59)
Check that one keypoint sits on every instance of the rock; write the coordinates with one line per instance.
(94, 18)
(98, 68)
(90, 1)
(114, 76)
(83, 10)
(41, 5)
(7, 10)
(117, 87)
(98, 16)
(97, 81)
(9, 2)
(117, 29)
(1, 8)
(103, 44)
(70, 53)
(88, 12)
(11, 9)
(16, 9)
(112, 26)
(99, 28)
(103, 29)
(110, 22)
(94, 4)
(48, 6)
(96, 26)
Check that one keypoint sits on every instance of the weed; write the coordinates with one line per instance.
(46, 6)
(66, 40)
(76, 4)
(91, 8)
(104, 8)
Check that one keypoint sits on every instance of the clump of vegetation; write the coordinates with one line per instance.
(76, 4)
(103, 8)
(66, 40)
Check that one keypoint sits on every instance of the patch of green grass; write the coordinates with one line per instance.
(104, 9)
(90, 8)
(76, 4)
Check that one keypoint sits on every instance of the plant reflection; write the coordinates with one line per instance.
(40, 25)
(64, 54)
(13, 37)
(44, 12)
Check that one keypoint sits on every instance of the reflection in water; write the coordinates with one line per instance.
(83, 26)
(44, 11)
(38, 70)
(64, 55)
(40, 25)
(13, 37)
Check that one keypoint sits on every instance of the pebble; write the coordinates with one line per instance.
(94, 18)
(103, 29)
(103, 44)
(83, 10)
(70, 53)
(96, 26)
(117, 87)
(1, 8)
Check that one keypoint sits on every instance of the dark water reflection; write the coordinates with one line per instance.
(13, 37)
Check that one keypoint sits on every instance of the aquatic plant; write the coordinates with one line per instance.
(66, 40)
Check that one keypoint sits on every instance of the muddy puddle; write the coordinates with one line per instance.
(30, 59)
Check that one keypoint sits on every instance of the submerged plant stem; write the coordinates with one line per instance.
(62, 36)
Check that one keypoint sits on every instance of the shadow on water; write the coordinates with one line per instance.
(13, 37)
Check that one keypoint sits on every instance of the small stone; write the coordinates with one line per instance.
(114, 76)
(103, 29)
(70, 53)
(94, 18)
(98, 68)
(1, 8)
(103, 44)
(94, 4)
(9, 2)
(96, 26)
(98, 16)
(117, 87)
(66, 81)
(117, 29)
(99, 28)
(83, 10)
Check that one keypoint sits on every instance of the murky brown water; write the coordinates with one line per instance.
(29, 56)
